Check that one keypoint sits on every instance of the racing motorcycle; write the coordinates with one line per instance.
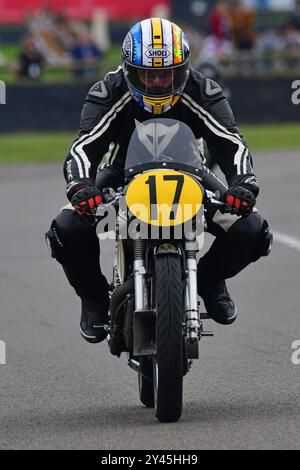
(154, 310)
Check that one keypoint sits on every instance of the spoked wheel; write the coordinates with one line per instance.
(146, 389)
(168, 361)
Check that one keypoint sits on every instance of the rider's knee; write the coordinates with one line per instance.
(264, 243)
(69, 233)
(56, 244)
(253, 235)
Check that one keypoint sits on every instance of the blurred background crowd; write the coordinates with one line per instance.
(243, 40)
(56, 41)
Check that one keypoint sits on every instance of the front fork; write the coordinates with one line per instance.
(192, 321)
(191, 317)
(139, 271)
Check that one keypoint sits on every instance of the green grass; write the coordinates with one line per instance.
(273, 136)
(10, 51)
(52, 147)
(38, 147)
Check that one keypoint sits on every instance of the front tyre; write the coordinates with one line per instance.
(168, 362)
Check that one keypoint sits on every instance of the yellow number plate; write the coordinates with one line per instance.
(164, 198)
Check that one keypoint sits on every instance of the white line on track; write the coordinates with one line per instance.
(288, 240)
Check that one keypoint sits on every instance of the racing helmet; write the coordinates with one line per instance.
(156, 63)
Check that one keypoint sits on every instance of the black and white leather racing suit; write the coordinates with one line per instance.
(108, 119)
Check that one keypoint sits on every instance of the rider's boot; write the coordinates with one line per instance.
(218, 303)
(93, 318)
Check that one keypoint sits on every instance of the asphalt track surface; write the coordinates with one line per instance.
(59, 392)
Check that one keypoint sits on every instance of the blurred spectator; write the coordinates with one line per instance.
(215, 49)
(62, 30)
(217, 45)
(291, 39)
(270, 40)
(85, 55)
(294, 19)
(219, 21)
(50, 37)
(30, 63)
(242, 21)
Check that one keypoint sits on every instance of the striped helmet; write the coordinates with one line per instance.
(156, 63)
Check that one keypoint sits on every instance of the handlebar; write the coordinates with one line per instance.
(112, 199)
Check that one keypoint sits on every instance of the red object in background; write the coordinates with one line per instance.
(217, 25)
(13, 11)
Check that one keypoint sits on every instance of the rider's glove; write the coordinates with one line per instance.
(239, 201)
(85, 197)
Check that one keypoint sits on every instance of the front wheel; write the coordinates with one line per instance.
(168, 361)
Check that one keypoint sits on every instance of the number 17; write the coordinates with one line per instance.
(153, 194)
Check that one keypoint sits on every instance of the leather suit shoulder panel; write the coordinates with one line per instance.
(101, 97)
(210, 96)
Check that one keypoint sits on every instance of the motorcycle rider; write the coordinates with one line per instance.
(156, 79)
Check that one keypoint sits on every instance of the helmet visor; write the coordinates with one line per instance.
(157, 82)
